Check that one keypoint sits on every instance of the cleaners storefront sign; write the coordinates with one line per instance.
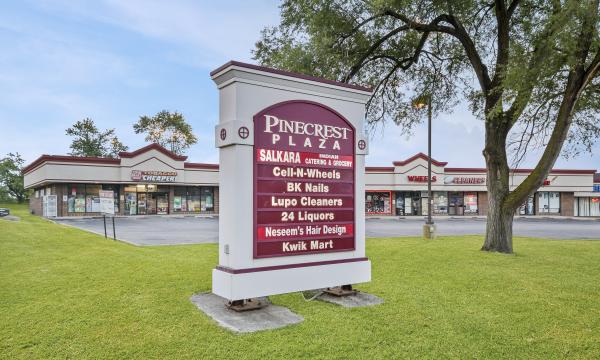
(303, 181)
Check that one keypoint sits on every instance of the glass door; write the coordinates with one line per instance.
(162, 203)
(400, 204)
(456, 204)
(130, 203)
(416, 203)
(141, 203)
(151, 203)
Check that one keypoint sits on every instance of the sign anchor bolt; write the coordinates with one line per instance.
(247, 304)
(344, 290)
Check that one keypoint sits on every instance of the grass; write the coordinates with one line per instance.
(68, 293)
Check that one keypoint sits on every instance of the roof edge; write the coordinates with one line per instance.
(153, 146)
(290, 74)
(68, 158)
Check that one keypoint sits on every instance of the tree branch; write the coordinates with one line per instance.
(579, 77)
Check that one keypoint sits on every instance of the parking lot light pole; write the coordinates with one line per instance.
(429, 194)
(429, 227)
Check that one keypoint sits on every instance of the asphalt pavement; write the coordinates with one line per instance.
(175, 230)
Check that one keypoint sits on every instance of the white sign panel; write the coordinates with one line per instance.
(107, 202)
(291, 184)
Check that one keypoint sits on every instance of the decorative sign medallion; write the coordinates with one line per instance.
(223, 134)
(303, 181)
(362, 144)
(243, 132)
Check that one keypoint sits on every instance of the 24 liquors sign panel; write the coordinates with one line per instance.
(303, 180)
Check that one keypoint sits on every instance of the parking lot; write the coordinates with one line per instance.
(158, 230)
(174, 230)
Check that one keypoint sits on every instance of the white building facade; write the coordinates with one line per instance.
(153, 180)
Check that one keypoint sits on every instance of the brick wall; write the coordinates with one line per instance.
(567, 200)
(482, 203)
(35, 204)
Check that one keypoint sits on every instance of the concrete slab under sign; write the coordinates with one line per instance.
(351, 301)
(270, 317)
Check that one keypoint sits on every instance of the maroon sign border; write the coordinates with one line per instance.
(254, 182)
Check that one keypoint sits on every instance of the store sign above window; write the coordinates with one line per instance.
(421, 179)
(464, 180)
(596, 188)
(153, 176)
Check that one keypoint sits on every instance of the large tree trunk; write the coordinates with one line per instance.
(498, 235)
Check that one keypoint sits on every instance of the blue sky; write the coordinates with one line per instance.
(113, 61)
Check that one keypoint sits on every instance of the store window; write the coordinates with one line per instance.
(470, 203)
(456, 203)
(206, 200)
(130, 200)
(412, 203)
(378, 202)
(528, 208)
(180, 199)
(92, 198)
(115, 190)
(440, 203)
(548, 202)
(587, 206)
(76, 198)
(595, 206)
(194, 199)
(400, 203)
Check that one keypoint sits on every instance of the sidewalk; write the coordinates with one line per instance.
(209, 216)
(480, 217)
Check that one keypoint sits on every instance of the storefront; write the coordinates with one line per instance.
(154, 181)
(463, 191)
(149, 181)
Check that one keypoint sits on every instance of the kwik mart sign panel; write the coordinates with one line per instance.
(303, 180)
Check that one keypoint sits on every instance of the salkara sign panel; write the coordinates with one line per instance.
(153, 176)
(303, 181)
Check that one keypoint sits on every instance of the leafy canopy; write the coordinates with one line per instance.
(507, 59)
(167, 129)
(11, 180)
(90, 141)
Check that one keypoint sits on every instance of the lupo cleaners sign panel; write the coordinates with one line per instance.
(303, 181)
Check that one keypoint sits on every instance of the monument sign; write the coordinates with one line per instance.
(291, 151)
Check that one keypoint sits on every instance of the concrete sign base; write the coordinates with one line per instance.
(350, 301)
(270, 317)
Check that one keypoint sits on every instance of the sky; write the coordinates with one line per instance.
(115, 60)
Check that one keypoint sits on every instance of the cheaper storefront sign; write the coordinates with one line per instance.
(303, 181)
(153, 176)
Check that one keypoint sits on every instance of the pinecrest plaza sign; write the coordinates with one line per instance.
(304, 181)
(291, 167)
(153, 176)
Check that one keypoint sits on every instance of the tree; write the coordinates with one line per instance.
(528, 69)
(11, 179)
(169, 130)
(90, 141)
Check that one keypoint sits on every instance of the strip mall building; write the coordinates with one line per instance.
(153, 180)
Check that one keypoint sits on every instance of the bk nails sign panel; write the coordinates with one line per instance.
(304, 161)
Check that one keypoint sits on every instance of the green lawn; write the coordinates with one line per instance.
(67, 293)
